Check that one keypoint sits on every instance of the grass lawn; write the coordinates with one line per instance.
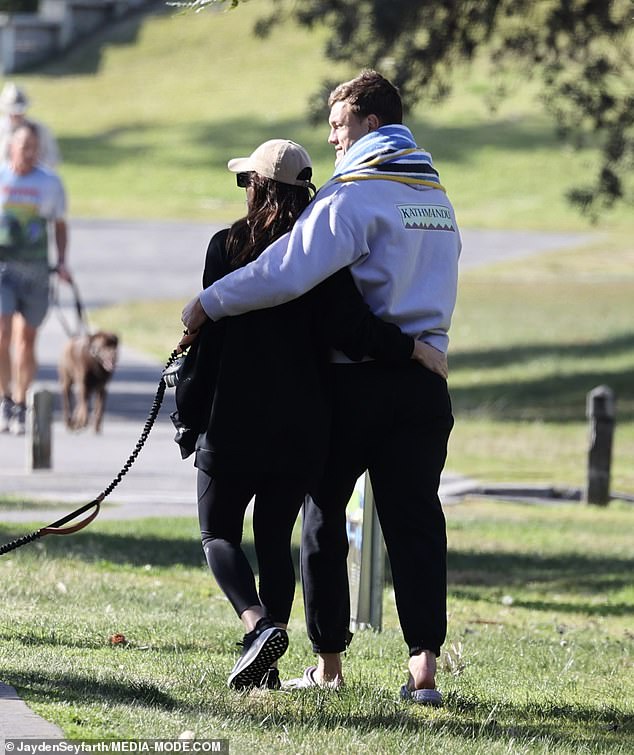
(538, 657)
(149, 112)
(529, 340)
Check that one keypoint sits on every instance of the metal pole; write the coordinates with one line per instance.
(366, 559)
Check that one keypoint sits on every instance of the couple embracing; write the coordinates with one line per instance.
(322, 335)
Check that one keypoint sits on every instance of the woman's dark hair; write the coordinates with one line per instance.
(273, 211)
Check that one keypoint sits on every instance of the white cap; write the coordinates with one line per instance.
(13, 100)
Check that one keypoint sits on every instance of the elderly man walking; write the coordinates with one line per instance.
(31, 199)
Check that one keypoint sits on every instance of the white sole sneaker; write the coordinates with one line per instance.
(255, 661)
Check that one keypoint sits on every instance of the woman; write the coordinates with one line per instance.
(264, 421)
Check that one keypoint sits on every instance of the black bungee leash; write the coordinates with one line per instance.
(58, 527)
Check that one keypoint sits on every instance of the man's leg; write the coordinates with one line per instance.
(24, 361)
(405, 472)
(324, 570)
(6, 329)
(324, 538)
(6, 400)
(277, 505)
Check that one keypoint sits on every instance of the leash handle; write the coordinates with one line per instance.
(56, 529)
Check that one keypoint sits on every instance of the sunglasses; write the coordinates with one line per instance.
(243, 180)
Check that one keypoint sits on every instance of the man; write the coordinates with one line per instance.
(31, 198)
(384, 214)
(14, 105)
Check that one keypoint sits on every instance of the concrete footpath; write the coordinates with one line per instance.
(118, 261)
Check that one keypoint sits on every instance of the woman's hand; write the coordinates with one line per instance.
(186, 341)
(432, 358)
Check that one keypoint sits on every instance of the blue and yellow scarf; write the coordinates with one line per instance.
(389, 153)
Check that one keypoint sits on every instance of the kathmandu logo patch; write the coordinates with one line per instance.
(426, 217)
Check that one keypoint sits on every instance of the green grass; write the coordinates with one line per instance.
(529, 340)
(538, 657)
(149, 113)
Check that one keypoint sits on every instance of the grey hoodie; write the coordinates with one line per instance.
(400, 241)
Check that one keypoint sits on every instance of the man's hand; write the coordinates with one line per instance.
(63, 272)
(432, 358)
(193, 315)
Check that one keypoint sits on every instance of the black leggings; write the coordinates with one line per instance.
(222, 502)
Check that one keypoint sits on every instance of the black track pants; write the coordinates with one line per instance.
(222, 502)
(394, 421)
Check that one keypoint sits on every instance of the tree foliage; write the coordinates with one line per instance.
(581, 51)
(19, 6)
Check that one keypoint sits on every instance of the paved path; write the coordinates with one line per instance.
(121, 261)
(17, 720)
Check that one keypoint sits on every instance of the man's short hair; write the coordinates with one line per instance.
(369, 93)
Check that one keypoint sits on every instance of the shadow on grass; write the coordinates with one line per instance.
(68, 687)
(37, 638)
(571, 573)
(552, 398)
(471, 575)
(359, 710)
(124, 550)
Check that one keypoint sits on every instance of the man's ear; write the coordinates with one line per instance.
(373, 122)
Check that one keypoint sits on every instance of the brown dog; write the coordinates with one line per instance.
(87, 362)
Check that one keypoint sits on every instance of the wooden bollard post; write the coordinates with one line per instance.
(39, 436)
(600, 410)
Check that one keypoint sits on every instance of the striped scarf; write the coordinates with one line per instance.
(389, 153)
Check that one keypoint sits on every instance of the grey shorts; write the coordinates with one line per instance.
(24, 289)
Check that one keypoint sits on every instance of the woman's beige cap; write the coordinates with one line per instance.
(279, 159)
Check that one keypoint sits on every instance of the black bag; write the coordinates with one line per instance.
(194, 377)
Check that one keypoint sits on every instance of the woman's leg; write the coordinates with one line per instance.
(221, 506)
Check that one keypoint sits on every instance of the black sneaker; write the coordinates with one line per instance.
(271, 679)
(261, 647)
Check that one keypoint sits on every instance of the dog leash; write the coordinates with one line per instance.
(59, 527)
(82, 319)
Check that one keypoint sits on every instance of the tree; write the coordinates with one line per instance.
(581, 51)
(19, 6)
